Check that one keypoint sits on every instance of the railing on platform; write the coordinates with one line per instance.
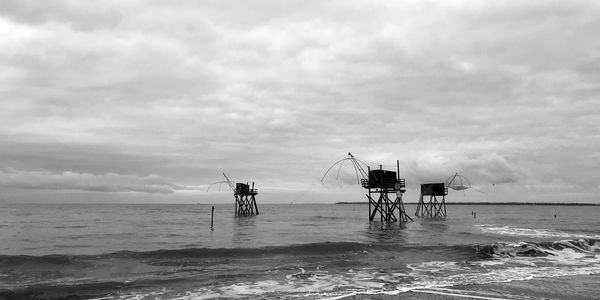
(366, 183)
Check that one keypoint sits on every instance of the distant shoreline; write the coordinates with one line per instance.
(496, 203)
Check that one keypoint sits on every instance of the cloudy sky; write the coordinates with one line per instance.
(111, 100)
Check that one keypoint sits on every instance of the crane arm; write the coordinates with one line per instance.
(231, 185)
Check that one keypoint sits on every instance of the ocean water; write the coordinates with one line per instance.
(321, 251)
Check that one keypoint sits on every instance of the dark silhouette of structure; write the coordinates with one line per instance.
(380, 183)
(245, 200)
(434, 208)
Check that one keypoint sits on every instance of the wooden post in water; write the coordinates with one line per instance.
(254, 199)
(212, 213)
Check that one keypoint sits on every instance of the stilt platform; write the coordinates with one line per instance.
(434, 208)
(245, 201)
(380, 185)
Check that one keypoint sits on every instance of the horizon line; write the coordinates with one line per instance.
(497, 203)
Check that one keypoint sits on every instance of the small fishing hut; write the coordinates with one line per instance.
(245, 200)
(433, 208)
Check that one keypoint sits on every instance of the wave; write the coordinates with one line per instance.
(387, 268)
(567, 258)
(316, 249)
(298, 249)
(535, 233)
(311, 249)
(542, 249)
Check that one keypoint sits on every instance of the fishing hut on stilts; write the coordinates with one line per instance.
(380, 184)
(434, 208)
(245, 201)
(244, 194)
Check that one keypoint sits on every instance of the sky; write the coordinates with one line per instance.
(154, 100)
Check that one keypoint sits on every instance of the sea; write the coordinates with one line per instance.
(304, 251)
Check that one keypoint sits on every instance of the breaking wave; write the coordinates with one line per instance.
(364, 273)
(500, 262)
(534, 233)
(311, 249)
(533, 249)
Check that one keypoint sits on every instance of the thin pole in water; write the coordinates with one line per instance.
(212, 213)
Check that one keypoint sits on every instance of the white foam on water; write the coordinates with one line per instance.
(315, 284)
(344, 294)
(519, 262)
(581, 245)
(565, 253)
(573, 258)
(531, 232)
(435, 267)
(520, 268)
(424, 276)
(455, 293)
(137, 296)
(595, 247)
(487, 263)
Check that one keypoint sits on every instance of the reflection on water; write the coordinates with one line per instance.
(244, 230)
(426, 231)
(385, 232)
(436, 225)
(244, 221)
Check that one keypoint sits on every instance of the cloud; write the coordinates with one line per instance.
(276, 91)
(80, 15)
(44, 180)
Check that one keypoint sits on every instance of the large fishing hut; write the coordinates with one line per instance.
(383, 182)
(380, 184)
(433, 208)
(244, 194)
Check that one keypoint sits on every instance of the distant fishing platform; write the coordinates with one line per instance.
(496, 203)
